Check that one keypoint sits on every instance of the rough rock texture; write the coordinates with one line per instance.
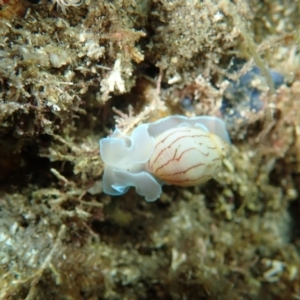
(69, 74)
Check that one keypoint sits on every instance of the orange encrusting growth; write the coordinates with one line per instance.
(186, 156)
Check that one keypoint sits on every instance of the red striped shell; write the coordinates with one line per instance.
(186, 156)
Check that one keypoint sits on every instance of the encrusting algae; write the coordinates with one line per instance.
(70, 71)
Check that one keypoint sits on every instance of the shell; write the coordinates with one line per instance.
(186, 156)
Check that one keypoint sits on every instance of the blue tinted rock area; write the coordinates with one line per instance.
(243, 96)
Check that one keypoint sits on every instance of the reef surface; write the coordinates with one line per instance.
(70, 72)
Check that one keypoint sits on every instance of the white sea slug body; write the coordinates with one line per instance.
(174, 150)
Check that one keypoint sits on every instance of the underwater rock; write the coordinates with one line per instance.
(244, 95)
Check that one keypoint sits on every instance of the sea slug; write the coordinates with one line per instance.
(173, 150)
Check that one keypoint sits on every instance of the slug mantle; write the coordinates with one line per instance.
(173, 150)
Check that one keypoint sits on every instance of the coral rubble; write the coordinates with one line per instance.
(69, 74)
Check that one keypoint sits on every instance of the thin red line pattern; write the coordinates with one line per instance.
(186, 156)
